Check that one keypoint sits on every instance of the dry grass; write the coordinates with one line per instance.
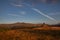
(29, 35)
(22, 31)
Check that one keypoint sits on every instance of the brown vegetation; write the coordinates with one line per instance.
(28, 31)
(29, 35)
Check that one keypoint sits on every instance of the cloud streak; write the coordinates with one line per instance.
(15, 15)
(17, 5)
(38, 1)
(43, 14)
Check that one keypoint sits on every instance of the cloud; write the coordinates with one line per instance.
(17, 5)
(22, 12)
(54, 14)
(15, 15)
(43, 14)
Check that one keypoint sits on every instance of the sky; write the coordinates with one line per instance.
(30, 11)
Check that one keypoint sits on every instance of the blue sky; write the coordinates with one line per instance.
(12, 11)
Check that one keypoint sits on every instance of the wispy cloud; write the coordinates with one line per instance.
(17, 5)
(15, 15)
(21, 15)
(22, 12)
(54, 14)
(43, 14)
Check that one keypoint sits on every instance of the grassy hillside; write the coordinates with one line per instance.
(27, 31)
